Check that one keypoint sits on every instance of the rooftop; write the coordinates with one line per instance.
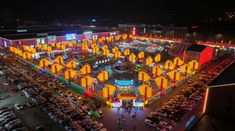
(38, 33)
(196, 48)
(226, 77)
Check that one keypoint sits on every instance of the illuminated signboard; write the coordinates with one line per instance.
(51, 38)
(88, 34)
(40, 40)
(124, 82)
(138, 103)
(70, 36)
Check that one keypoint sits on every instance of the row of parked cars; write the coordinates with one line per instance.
(9, 121)
(58, 108)
(166, 117)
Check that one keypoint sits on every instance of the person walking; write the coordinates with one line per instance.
(134, 128)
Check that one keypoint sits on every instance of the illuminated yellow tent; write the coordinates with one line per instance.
(146, 91)
(169, 65)
(71, 64)
(156, 70)
(86, 81)
(59, 59)
(126, 52)
(58, 45)
(105, 51)
(69, 74)
(56, 68)
(194, 65)
(124, 36)
(27, 55)
(178, 61)
(186, 69)
(149, 60)
(49, 49)
(132, 57)
(143, 76)
(161, 82)
(141, 54)
(108, 90)
(174, 75)
(103, 75)
(86, 69)
(117, 54)
(157, 58)
(95, 50)
(44, 62)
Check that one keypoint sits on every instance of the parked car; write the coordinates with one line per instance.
(18, 106)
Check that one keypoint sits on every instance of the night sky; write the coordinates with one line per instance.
(146, 11)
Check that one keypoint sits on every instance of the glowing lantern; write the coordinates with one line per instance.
(156, 70)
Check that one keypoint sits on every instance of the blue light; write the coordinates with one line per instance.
(70, 36)
(124, 82)
(94, 20)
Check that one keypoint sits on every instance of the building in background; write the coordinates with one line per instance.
(203, 54)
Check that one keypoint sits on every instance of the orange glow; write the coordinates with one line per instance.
(205, 100)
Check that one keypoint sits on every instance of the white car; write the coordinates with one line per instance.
(150, 123)
(5, 83)
(18, 106)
